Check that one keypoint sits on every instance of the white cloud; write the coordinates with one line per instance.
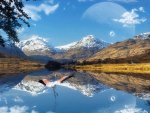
(16, 109)
(141, 9)
(112, 33)
(101, 13)
(33, 11)
(130, 18)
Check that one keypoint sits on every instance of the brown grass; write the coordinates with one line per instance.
(143, 68)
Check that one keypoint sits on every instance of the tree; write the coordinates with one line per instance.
(1, 41)
(12, 17)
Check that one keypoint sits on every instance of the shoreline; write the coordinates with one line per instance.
(142, 68)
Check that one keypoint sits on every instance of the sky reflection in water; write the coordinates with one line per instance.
(77, 95)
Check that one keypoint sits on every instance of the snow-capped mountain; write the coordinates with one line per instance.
(11, 49)
(145, 35)
(86, 42)
(82, 49)
(35, 46)
(67, 46)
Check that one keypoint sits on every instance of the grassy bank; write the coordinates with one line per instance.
(17, 65)
(143, 68)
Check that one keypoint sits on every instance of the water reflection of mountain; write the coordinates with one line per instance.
(82, 82)
(137, 84)
(87, 83)
(8, 81)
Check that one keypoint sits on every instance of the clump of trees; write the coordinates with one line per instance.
(12, 17)
(53, 65)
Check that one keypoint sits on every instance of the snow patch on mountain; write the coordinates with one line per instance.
(145, 35)
(66, 47)
(35, 43)
(86, 42)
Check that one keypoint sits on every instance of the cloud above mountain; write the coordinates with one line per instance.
(132, 17)
(104, 12)
(34, 11)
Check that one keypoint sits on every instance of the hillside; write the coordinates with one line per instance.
(132, 50)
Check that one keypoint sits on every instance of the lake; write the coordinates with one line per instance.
(85, 92)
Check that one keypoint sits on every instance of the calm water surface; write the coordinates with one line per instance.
(86, 92)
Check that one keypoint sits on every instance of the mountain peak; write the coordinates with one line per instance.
(34, 44)
(88, 41)
(88, 37)
(36, 37)
(91, 42)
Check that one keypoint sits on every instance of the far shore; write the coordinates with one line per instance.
(142, 68)
(17, 65)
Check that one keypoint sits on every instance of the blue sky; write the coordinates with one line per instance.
(65, 21)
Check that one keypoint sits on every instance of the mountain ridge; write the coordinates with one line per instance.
(83, 48)
(129, 50)
(88, 41)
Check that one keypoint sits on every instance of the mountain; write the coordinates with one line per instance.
(86, 42)
(143, 36)
(11, 50)
(84, 48)
(136, 49)
(35, 46)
